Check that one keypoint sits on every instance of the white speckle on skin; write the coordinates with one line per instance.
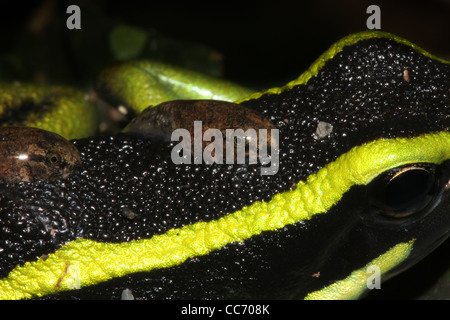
(323, 130)
(127, 294)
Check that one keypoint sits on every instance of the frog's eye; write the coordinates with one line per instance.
(404, 191)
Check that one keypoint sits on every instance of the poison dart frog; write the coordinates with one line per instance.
(363, 183)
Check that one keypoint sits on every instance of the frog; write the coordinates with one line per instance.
(363, 188)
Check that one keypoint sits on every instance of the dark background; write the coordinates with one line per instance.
(258, 44)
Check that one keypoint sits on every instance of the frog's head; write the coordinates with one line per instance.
(376, 184)
(363, 180)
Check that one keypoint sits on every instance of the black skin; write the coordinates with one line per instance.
(364, 97)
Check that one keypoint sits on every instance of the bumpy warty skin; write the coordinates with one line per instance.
(128, 188)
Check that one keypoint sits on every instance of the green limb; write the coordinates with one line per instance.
(140, 84)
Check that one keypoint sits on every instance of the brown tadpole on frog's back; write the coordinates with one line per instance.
(32, 154)
(159, 122)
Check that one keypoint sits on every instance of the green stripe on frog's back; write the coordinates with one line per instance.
(155, 82)
(95, 262)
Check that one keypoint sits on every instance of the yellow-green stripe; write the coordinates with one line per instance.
(91, 262)
(353, 286)
(68, 112)
(333, 51)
